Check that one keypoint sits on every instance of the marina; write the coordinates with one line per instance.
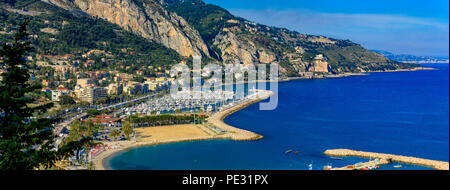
(215, 125)
(184, 101)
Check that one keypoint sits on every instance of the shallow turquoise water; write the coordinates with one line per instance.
(404, 113)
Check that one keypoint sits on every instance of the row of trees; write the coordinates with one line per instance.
(160, 120)
(85, 130)
(81, 130)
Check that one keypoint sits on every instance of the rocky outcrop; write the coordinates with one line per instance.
(146, 18)
(65, 4)
(240, 49)
(50, 30)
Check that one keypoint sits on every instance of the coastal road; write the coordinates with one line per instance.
(60, 126)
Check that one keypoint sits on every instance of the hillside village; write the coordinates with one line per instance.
(69, 75)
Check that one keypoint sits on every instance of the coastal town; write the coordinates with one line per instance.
(84, 83)
(183, 122)
(105, 101)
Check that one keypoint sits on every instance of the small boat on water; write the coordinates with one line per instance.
(328, 167)
(296, 152)
(373, 167)
(288, 151)
(336, 158)
(398, 166)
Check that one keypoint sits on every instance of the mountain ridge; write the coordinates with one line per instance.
(237, 40)
(406, 58)
(192, 27)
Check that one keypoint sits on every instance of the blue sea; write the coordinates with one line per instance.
(405, 113)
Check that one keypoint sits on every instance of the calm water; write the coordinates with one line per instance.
(404, 113)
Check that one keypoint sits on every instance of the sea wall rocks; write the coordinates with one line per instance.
(439, 165)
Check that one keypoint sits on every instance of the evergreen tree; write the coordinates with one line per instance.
(66, 100)
(26, 142)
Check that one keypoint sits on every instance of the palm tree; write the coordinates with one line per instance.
(127, 129)
(115, 134)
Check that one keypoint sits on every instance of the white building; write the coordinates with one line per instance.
(58, 93)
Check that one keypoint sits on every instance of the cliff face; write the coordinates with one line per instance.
(239, 49)
(145, 18)
(236, 46)
(236, 40)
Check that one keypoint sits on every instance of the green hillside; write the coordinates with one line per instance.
(343, 55)
(77, 34)
(57, 31)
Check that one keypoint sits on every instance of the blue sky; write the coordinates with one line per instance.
(415, 27)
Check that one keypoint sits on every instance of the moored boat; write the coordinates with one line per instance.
(328, 167)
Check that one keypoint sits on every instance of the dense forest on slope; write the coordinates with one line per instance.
(208, 19)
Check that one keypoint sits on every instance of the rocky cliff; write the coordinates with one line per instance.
(240, 49)
(240, 46)
(237, 40)
(146, 18)
(192, 27)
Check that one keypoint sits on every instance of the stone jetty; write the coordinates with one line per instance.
(235, 133)
(438, 165)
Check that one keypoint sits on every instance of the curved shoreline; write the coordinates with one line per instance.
(99, 161)
(216, 119)
(438, 165)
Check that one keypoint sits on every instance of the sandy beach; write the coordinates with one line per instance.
(346, 75)
(181, 133)
(149, 134)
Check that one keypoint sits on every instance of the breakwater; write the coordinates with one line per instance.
(217, 119)
(438, 165)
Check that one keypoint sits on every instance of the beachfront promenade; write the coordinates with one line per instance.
(387, 158)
